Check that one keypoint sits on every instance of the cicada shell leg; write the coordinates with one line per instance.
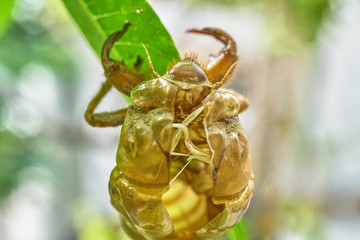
(123, 78)
(103, 119)
(119, 76)
(219, 65)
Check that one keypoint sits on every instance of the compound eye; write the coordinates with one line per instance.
(188, 71)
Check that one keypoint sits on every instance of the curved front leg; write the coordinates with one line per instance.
(121, 77)
(219, 65)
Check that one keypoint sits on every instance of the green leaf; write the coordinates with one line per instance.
(5, 15)
(98, 19)
(237, 232)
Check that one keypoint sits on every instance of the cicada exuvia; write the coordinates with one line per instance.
(183, 169)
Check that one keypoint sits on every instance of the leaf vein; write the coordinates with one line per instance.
(97, 25)
(110, 14)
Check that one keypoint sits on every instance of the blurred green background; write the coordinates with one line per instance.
(299, 68)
